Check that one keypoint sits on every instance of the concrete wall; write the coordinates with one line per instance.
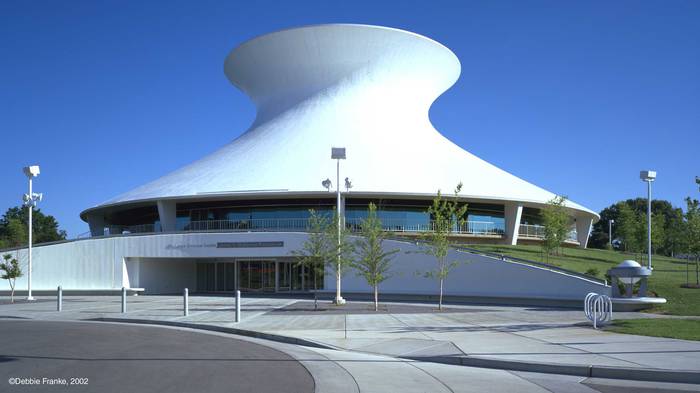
(155, 262)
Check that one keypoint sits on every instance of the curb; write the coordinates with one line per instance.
(221, 329)
(587, 371)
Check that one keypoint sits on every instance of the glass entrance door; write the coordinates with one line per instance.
(216, 276)
(257, 275)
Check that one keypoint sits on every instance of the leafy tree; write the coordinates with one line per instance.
(692, 217)
(373, 263)
(14, 227)
(447, 215)
(556, 224)
(13, 233)
(11, 272)
(658, 231)
(675, 234)
(628, 228)
(341, 251)
(316, 252)
(599, 235)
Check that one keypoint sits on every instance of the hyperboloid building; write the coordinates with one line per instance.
(233, 219)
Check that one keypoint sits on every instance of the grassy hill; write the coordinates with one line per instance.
(665, 281)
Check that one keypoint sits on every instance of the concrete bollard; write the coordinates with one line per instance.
(186, 302)
(238, 306)
(123, 300)
(59, 299)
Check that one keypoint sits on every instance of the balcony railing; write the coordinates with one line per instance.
(537, 232)
(353, 224)
(477, 228)
(128, 229)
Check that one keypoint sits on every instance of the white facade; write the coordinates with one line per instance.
(166, 263)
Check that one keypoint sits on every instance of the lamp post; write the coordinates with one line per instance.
(30, 200)
(648, 177)
(338, 153)
(610, 231)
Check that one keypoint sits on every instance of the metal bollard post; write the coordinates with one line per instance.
(59, 299)
(123, 300)
(186, 302)
(238, 306)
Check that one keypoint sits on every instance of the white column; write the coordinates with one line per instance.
(583, 230)
(97, 224)
(512, 213)
(167, 214)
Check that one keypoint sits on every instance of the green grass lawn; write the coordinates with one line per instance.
(686, 329)
(665, 281)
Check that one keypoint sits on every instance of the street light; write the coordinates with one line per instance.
(610, 231)
(648, 176)
(338, 153)
(30, 200)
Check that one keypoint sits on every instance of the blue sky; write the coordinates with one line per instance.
(575, 97)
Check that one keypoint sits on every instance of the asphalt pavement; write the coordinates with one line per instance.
(43, 356)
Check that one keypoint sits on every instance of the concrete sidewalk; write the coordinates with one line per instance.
(510, 335)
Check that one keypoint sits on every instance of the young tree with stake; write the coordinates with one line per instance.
(373, 263)
(556, 224)
(11, 272)
(317, 250)
(446, 213)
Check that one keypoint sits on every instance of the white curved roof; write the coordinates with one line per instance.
(365, 88)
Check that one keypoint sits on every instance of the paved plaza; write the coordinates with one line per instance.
(352, 348)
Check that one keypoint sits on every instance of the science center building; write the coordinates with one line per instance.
(233, 219)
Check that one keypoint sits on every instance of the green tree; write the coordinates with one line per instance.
(45, 227)
(13, 233)
(342, 251)
(692, 217)
(556, 224)
(11, 272)
(658, 231)
(628, 225)
(447, 214)
(373, 263)
(599, 235)
(317, 250)
(675, 234)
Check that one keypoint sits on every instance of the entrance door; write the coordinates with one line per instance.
(216, 276)
(257, 275)
(206, 277)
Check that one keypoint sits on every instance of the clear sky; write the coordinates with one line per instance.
(575, 97)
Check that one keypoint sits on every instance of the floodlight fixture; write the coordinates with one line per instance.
(31, 171)
(647, 175)
(337, 153)
(348, 184)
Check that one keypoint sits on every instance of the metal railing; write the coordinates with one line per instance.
(477, 228)
(354, 225)
(249, 225)
(537, 232)
(469, 227)
(128, 229)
